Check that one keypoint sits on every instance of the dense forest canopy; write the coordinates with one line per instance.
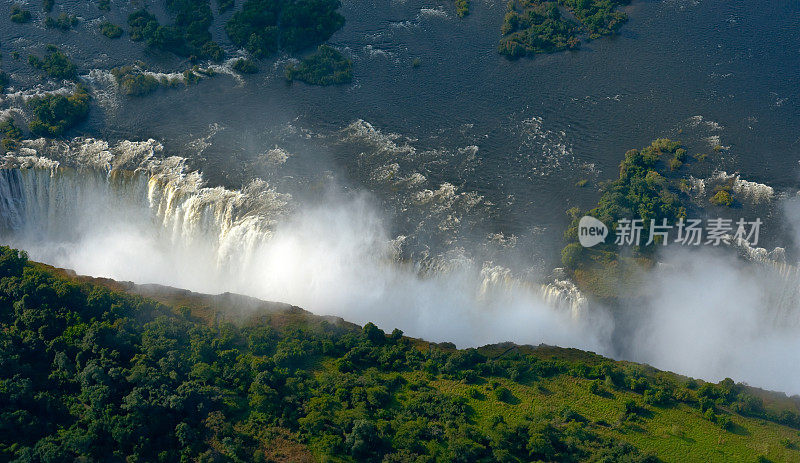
(93, 374)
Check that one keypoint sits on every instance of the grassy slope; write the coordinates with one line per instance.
(675, 433)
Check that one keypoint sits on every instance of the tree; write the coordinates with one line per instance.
(374, 334)
(363, 441)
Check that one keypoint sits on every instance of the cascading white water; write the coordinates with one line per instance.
(564, 293)
(43, 202)
(10, 200)
(127, 212)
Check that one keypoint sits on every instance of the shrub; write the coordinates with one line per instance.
(54, 114)
(571, 255)
(657, 396)
(20, 15)
(722, 198)
(244, 66)
(110, 30)
(190, 77)
(64, 22)
(303, 24)
(595, 387)
(462, 8)
(724, 422)
(630, 407)
(531, 27)
(326, 66)
(134, 82)
(188, 36)
(373, 334)
(55, 64)
(503, 394)
(12, 135)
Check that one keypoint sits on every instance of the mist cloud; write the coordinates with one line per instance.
(711, 315)
(706, 314)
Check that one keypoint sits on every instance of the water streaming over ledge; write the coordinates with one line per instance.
(46, 199)
(127, 211)
(58, 196)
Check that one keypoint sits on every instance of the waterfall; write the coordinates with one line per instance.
(564, 294)
(126, 211)
(781, 283)
(11, 200)
(90, 183)
(56, 192)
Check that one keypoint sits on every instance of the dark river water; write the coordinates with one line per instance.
(465, 158)
(517, 134)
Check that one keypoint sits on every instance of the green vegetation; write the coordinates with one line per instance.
(244, 66)
(132, 81)
(47, 5)
(532, 26)
(110, 30)
(54, 114)
(144, 27)
(598, 17)
(64, 22)
(646, 189)
(88, 373)
(12, 135)
(326, 66)
(538, 26)
(462, 8)
(20, 15)
(104, 5)
(263, 27)
(190, 78)
(188, 36)
(722, 197)
(650, 186)
(55, 64)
